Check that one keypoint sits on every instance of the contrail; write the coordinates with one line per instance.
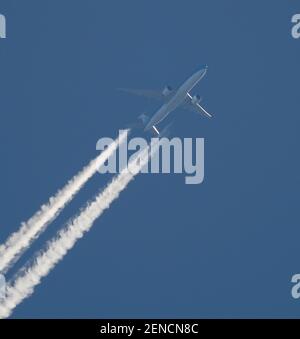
(30, 230)
(56, 249)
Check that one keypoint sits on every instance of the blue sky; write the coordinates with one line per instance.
(225, 248)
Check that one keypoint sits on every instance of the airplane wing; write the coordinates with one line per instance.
(195, 107)
(147, 93)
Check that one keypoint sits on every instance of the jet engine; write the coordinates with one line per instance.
(196, 99)
(167, 90)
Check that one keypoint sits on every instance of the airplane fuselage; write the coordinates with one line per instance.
(177, 99)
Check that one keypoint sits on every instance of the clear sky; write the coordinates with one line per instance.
(225, 248)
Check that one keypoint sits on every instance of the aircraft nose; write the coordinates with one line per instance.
(203, 67)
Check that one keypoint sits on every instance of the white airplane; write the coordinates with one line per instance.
(172, 99)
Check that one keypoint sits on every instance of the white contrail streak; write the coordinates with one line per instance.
(24, 284)
(30, 230)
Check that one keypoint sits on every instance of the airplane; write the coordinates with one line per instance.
(172, 99)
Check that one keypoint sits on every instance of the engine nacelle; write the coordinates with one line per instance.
(196, 99)
(167, 90)
(143, 119)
